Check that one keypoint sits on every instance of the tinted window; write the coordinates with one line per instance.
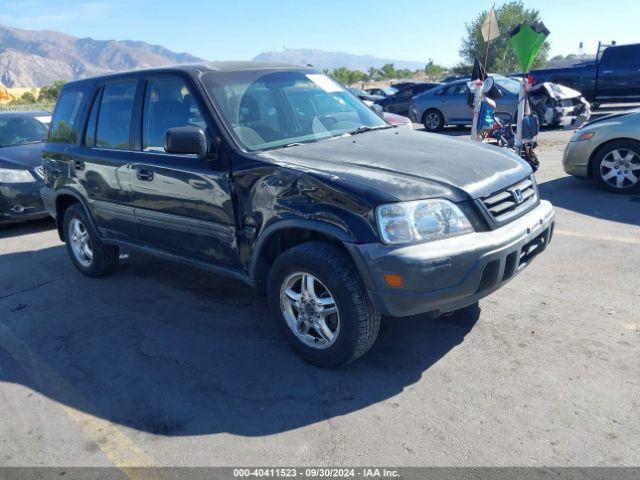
(114, 118)
(457, 89)
(167, 104)
(620, 57)
(90, 134)
(63, 125)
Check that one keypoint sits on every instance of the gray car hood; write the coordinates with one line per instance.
(409, 165)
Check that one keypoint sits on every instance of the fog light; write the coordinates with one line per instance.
(17, 209)
(393, 280)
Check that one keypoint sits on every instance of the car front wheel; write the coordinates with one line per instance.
(617, 166)
(319, 302)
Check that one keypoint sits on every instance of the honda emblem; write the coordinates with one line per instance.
(517, 196)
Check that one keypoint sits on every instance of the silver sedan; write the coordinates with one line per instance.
(607, 150)
(447, 105)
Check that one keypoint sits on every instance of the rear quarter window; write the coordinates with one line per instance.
(64, 124)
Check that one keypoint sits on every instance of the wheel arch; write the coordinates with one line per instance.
(64, 199)
(602, 146)
(285, 234)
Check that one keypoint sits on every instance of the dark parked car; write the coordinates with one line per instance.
(22, 137)
(399, 103)
(382, 91)
(279, 177)
(613, 77)
(367, 98)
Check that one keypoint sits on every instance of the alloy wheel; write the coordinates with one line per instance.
(80, 242)
(310, 310)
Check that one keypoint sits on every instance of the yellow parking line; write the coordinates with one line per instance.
(118, 448)
(606, 238)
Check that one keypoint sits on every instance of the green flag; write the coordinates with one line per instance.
(527, 39)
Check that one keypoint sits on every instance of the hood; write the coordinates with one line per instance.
(22, 156)
(556, 91)
(407, 165)
(613, 116)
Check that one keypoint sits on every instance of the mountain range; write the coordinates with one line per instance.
(321, 59)
(34, 58)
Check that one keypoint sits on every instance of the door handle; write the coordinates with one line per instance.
(144, 175)
(78, 165)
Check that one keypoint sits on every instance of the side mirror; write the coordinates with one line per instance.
(186, 140)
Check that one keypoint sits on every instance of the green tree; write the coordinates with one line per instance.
(51, 92)
(433, 71)
(502, 57)
(388, 71)
(341, 74)
(374, 73)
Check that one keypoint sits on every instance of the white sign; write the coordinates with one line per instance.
(490, 29)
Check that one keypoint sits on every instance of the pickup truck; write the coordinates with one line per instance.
(281, 178)
(614, 76)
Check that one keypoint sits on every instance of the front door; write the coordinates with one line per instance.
(182, 202)
(619, 73)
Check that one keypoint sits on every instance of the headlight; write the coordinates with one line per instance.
(421, 220)
(15, 176)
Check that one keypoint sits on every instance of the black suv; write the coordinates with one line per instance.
(278, 176)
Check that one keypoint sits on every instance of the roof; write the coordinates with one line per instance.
(201, 68)
(33, 113)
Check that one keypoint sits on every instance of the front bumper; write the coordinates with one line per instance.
(450, 274)
(575, 160)
(20, 202)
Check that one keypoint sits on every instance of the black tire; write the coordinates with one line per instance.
(359, 321)
(620, 166)
(432, 126)
(105, 257)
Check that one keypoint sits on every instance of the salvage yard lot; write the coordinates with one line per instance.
(162, 365)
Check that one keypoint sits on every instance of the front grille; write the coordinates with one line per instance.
(511, 202)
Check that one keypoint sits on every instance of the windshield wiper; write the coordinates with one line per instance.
(365, 128)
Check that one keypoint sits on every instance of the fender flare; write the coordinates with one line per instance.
(314, 225)
(81, 201)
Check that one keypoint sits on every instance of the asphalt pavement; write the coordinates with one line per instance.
(162, 365)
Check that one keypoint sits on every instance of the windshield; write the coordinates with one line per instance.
(390, 91)
(20, 130)
(509, 84)
(266, 109)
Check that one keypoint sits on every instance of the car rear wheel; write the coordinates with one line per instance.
(318, 300)
(88, 253)
(433, 121)
(617, 166)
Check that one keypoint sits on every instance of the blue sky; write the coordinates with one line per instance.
(405, 30)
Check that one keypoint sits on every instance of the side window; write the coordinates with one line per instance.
(90, 133)
(167, 104)
(65, 116)
(114, 117)
(407, 92)
(619, 58)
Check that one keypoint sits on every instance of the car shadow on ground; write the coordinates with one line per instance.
(587, 198)
(25, 228)
(168, 350)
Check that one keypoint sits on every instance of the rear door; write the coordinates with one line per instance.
(619, 73)
(399, 103)
(182, 202)
(101, 162)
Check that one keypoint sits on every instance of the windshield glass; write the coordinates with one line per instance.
(21, 129)
(389, 91)
(509, 84)
(266, 109)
